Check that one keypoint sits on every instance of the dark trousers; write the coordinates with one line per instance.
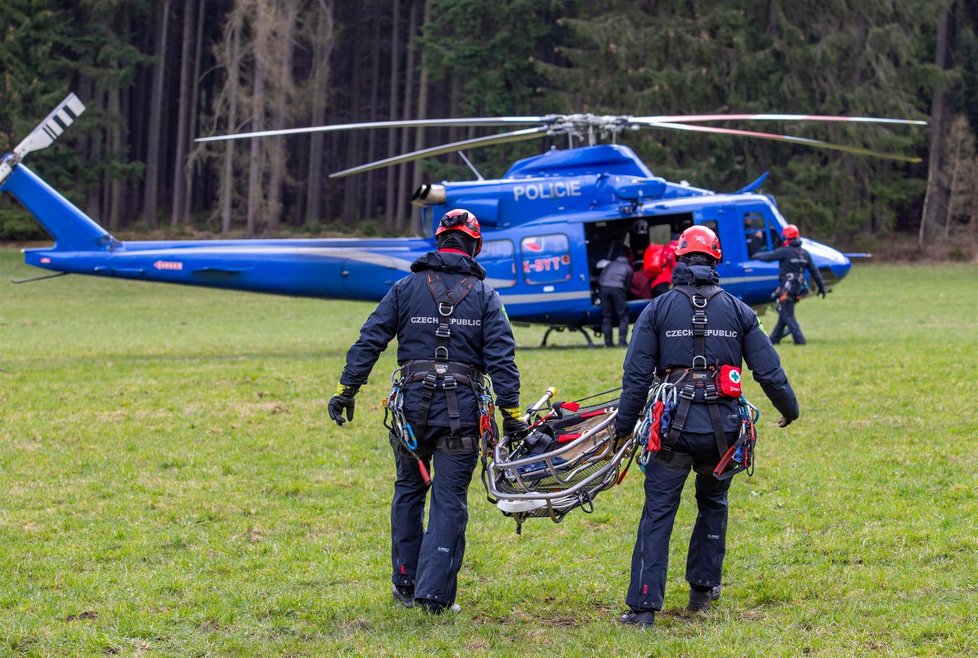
(614, 309)
(429, 560)
(787, 323)
(663, 490)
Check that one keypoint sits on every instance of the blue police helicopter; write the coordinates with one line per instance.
(548, 223)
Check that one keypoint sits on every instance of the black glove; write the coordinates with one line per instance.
(514, 426)
(513, 423)
(821, 293)
(783, 422)
(342, 401)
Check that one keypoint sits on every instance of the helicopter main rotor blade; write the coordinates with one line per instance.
(490, 140)
(696, 118)
(408, 123)
(816, 143)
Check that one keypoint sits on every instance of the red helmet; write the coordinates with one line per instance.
(699, 240)
(790, 232)
(464, 221)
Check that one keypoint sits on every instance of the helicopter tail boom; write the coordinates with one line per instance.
(71, 229)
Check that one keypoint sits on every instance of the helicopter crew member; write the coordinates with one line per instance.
(685, 336)
(445, 345)
(614, 282)
(793, 286)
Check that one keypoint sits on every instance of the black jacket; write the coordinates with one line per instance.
(793, 260)
(663, 339)
(481, 337)
(616, 274)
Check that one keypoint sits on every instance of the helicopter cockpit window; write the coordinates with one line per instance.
(497, 256)
(546, 259)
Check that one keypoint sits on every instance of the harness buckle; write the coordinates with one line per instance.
(443, 331)
(430, 381)
(449, 382)
(441, 309)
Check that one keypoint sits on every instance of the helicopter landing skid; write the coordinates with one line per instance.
(557, 327)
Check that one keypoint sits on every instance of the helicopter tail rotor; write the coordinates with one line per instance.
(45, 133)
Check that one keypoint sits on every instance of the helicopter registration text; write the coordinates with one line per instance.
(552, 190)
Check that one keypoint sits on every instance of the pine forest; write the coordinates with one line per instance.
(157, 74)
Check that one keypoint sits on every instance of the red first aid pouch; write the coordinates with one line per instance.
(728, 381)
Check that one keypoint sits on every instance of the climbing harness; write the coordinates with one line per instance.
(702, 383)
(440, 373)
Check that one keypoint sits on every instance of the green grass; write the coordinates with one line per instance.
(171, 485)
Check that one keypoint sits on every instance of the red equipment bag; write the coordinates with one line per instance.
(728, 381)
(653, 259)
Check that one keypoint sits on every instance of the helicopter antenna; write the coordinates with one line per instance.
(475, 171)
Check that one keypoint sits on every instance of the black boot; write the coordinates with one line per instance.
(641, 618)
(700, 599)
(404, 595)
(437, 607)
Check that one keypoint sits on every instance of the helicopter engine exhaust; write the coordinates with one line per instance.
(428, 195)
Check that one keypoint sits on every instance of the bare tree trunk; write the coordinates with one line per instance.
(937, 131)
(155, 123)
(255, 153)
(351, 184)
(323, 49)
(955, 168)
(227, 191)
(389, 201)
(370, 205)
(183, 114)
(402, 173)
(282, 100)
(116, 152)
(86, 88)
(419, 135)
(187, 202)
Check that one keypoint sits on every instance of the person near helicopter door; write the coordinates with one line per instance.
(690, 336)
(451, 329)
(614, 282)
(793, 286)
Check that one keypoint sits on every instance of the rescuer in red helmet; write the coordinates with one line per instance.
(793, 286)
(451, 331)
(694, 337)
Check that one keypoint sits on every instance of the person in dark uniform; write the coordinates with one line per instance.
(754, 237)
(689, 348)
(614, 282)
(793, 286)
(451, 328)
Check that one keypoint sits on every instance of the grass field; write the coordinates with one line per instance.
(170, 484)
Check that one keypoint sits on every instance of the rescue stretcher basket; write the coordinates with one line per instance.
(568, 457)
